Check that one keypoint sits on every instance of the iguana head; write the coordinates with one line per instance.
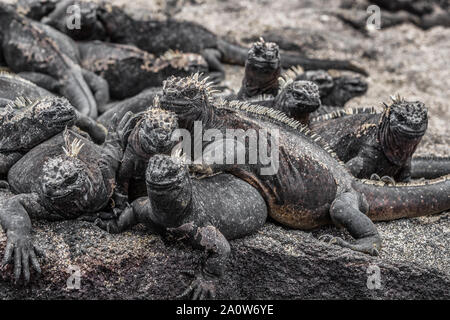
(298, 99)
(169, 187)
(187, 97)
(154, 131)
(323, 80)
(26, 123)
(263, 56)
(402, 126)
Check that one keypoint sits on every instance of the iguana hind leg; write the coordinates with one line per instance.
(348, 210)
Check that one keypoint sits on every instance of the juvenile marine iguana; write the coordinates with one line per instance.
(143, 135)
(63, 178)
(49, 57)
(157, 37)
(13, 86)
(310, 188)
(129, 70)
(370, 142)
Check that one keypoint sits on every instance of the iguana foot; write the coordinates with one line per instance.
(386, 179)
(199, 289)
(109, 226)
(89, 217)
(20, 247)
(369, 245)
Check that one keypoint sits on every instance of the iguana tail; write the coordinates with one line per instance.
(405, 200)
(429, 167)
(235, 54)
(288, 61)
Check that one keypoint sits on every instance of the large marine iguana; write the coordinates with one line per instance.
(157, 37)
(130, 70)
(311, 187)
(49, 57)
(376, 143)
(63, 178)
(13, 87)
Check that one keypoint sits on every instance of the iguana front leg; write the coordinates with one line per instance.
(15, 220)
(212, 57)
(213, 242)
(42, 80)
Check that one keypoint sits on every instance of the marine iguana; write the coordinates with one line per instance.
(429, 167)
(370, 142)
(129, 70)
(13, 86)
(35, 9)
(297, 99)
(25, 124)
(157, 37)
(63, 178)
(143, 135)
(311, 187)
(334, 91)
(262, 70)
(49, 56)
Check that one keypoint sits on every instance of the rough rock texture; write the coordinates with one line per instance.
(277, 262)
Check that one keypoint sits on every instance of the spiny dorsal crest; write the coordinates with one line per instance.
(261, 97)
(397, 99)
(262, 44)
(191, 82)
(280, 117)
(21, 102)
(290, 75)
(72, 149)
(172, 54)
(342, 113)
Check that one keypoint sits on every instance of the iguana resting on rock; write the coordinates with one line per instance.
(304, 187)
(13, 86)
(50, 59)
(157, 37)
(26, 123)
(144, 135)
(370, 142)
(62, 178)
(129, 70)
(297, 99)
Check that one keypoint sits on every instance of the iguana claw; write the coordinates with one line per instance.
(199, 289)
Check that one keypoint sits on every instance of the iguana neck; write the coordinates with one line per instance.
(397, 147)
(255, 83)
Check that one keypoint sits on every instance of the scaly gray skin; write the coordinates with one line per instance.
(157, 37)
(297, 99)
(27, 123)
(334, 91)
(376, 143)
(50, 57)
(13, 86)
(55, 184)
(262, 70)
(136, 104)
(176, 207)
(429, 167)
(310, 188)
(143, 136)
(129, 70)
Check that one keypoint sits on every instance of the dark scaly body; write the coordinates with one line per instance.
(375, 143)
(130, 70)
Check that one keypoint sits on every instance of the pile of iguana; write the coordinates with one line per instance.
(303, 186)
(157, 37)
(13, 87)
(129, 70)
(50, 59)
